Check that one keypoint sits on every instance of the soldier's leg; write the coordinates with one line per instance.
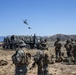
(70, 53)
(70, 59)
(59, 53)
(22, 70)
(67, 54)
(74, 57)
(56, 53)
(46, 70)
(40, 71)
(17, 72)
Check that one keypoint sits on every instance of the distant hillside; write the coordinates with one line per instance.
(63, 37)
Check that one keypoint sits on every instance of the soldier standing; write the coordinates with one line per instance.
(34, 40)
(38, 60)
(68, 47)
(47, 45)
(42, 61)
(74, 51)
(58, 46)
(20, 60)
(44, 45)
(46, 61)
(72, 41)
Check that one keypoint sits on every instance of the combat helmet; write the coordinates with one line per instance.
(67, 41)
(21, 43)
(58, 39)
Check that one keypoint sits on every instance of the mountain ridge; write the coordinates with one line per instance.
(63, 37)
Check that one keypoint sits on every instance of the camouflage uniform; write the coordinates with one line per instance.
(58, 46)
(72, 41)
(38, 59)
(21, 67)
(4, 42)
(68, 47)
(46, 62)
(44, 45)
(42, 61)
(74, 51)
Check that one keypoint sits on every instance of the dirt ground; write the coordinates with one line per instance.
(54, 69)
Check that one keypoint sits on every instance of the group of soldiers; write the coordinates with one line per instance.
(70, 47)
(22, 58)
(31, 41)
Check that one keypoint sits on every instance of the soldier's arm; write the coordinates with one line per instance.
(55, 44)
(33, 65)
(65, 45)
(71, 47)
(28, 55)
(61, 44)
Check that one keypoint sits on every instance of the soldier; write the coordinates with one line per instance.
(58, 46)
(4, 42)
(34, 39)
(72, 41)
(68, 47)
(74, 51)
(20, 60)
(42, 61)
(47, 45)
(13, 41)
(44, 45)
(38, 59)
(46, 61)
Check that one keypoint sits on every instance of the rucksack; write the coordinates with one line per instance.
(68, 46)
(74, 46)
(19, 59)
(38, 57)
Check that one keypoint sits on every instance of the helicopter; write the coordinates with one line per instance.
(25, 22)
(29, 27)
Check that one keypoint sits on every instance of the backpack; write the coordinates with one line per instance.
(19, 59)
(68, 46)
(36, 58)
(74, 46)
